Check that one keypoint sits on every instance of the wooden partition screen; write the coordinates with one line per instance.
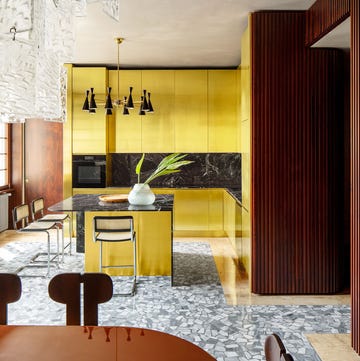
(355, 174)
(323, 16)
(297, 159)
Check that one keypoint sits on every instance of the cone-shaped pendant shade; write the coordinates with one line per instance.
(92, 99)
(126, 110)
(108, 103)
(86, 102)
(141, 111)
(151, 109)
(130, 103)
(145, 106)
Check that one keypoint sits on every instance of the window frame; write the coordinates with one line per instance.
(8, 156)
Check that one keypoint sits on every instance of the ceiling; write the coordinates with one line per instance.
(170, 33)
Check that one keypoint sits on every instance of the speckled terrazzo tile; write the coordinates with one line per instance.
(194, 308)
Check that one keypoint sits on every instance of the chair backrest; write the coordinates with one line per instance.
(20, 213)
(37, 208)
(10, 291)
(274, 348)
(113, 224)
(66, 288)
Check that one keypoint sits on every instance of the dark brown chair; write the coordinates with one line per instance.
(274, 348)
(65, 288)
(286, 357)
(10, 291)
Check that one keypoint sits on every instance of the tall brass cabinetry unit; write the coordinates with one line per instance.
(89, 130)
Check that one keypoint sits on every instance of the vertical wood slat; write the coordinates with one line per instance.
(323, 16)
(295, 159)
(355, 174)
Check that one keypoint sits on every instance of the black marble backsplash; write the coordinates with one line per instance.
(209, 170)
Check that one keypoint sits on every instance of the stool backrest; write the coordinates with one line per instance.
(37, 207)
(113, 224)
(66, 288)
(20, 213)
(10, 291)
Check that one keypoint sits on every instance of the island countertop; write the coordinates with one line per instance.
(91, 202)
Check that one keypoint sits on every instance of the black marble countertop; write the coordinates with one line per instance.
(91, 202)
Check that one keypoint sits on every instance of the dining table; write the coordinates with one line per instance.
(90, 343)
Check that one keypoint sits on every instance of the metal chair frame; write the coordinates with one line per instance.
(21, 214)
(115, 229)
(37, 213)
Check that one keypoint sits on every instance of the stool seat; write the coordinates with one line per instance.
(114, 236)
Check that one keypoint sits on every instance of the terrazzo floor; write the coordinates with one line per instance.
(194, 308)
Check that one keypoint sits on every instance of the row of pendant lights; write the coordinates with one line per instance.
(127, 102)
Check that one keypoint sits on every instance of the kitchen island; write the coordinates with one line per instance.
(153, 225)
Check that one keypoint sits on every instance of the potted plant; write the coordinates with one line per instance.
(141, 194)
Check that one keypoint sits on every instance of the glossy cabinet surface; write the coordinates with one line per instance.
(89, 130)
(222, 111)
(191, 122)
(127, 136)
(157, 132)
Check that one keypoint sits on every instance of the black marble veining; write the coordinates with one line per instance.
(91, 202)
(208, 170)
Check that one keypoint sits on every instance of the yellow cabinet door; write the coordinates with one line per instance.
(191, 211)
(157, 133)
(222, 111)
(89, 129)
(127, 127)
(191, 123)
(216, 211)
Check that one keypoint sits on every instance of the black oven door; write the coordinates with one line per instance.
(89, 172)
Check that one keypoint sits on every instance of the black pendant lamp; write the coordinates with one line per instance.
(92, 104)
(86, 102)
(127, 102)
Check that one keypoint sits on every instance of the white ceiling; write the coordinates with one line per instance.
(170, 33)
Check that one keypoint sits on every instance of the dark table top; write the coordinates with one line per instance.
(91, 202)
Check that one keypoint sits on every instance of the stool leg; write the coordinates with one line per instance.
(100, 261)
(48, 260)
(62, 243)
(70, 234)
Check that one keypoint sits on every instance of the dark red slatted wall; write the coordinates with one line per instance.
(296, 154)
(355, 175)
(323, 16)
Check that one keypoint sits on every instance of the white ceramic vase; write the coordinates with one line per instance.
(141, 195)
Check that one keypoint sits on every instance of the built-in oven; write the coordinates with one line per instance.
(89, 171)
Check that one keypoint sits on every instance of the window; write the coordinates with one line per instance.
(4, 155)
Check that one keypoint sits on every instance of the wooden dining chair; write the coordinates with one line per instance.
(10, 291)
(274, 348)
(66, 288)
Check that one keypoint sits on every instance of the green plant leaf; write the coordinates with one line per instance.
(138, 167)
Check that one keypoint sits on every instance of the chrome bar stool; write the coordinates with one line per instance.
(116, 229)
(21, 216)
(37, 212)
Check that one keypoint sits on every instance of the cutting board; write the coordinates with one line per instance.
(114, 198)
